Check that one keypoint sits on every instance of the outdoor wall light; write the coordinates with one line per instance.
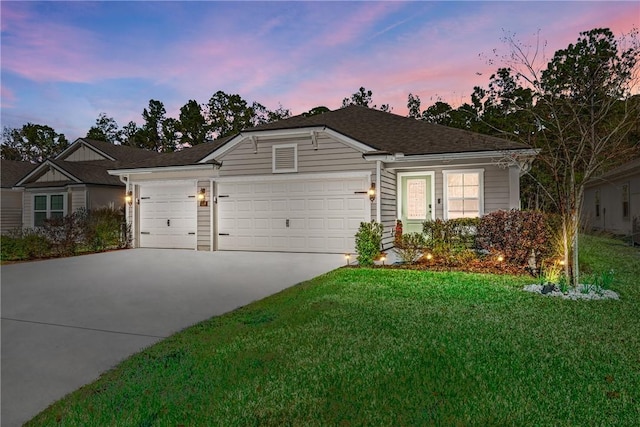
(372, 192)
(128, 197)
(201, 197)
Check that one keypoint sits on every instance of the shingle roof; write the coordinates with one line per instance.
(186, 156)
(123, 154)
(392, 133)
(12, 171)
(90, 172)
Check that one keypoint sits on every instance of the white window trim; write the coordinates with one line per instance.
(399, 177)
(445, 191)
(295, 158)
(48, 210)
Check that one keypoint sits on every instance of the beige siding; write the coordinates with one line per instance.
(84, 154)
(27, 209)
(52, 175)
(10, 210)
(331, 156)
(204, 218)
(105, 197)
(496, 189)
(388, 207)
(77, 198)
(610, 218)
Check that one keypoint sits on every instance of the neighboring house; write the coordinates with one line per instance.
(612, 201)
(301, 184)
(11, 201)
(76, 178)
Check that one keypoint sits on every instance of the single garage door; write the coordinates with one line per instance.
(168, 215)
(313, 215)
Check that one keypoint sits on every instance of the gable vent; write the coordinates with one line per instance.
(285, 158)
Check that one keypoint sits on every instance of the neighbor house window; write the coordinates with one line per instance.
(625, 201)
(285, 158)
(597, 203)
(47, 206)
(463, 194)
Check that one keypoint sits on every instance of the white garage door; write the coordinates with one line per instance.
(320, 215)
(168, 216)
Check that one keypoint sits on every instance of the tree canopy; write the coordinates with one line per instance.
(32, 143)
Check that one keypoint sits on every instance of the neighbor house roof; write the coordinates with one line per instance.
(625, 170)
(391, 133)
(184, 157)
(12, 171)
(87, 172)
(120, 153)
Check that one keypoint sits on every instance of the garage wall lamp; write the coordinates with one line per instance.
(372, 192)
(201, 197)
(128, 197)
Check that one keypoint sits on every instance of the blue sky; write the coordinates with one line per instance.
(63, 63)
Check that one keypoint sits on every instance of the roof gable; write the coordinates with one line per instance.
(122, 154)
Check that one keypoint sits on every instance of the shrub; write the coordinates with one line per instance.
(368, 242)
(516, 235)
(445, 238)
(103, 229)
(66, 233)
(23, 244)
(409, 247)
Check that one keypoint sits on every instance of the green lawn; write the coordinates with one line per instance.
(390, 347)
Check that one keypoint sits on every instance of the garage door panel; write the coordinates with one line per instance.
(323, 215)
(168, 216)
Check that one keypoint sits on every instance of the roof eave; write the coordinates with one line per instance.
(467, 155)
(134, 171)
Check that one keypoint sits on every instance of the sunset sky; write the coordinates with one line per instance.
(63, 63)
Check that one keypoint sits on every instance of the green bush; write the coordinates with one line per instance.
(24, 244)
(368, 242)
(446, 238)
(409, 247)
(104, 230)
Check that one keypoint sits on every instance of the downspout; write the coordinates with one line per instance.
(379, 189)
(129, 210)
(214, 204)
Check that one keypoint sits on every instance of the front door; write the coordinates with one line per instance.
(416, 200)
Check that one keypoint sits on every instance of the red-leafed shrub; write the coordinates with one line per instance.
(516, 235)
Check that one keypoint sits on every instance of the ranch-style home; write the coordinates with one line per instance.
(304, 184)
(76, 178)
(612, 201)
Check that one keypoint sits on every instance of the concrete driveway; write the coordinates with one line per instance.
(66, 321)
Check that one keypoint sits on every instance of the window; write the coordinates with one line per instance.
(625, 201)
(47, 206)
(463, 194)
(597, 203)
(285, 158)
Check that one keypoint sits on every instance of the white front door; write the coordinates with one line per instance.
(168, 215)
(298, 215)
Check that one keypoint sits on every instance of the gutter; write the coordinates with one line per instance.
(401, 158)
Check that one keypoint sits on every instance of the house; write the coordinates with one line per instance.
(304, 184)
(612, 201)
(76, 178)
(11, 172)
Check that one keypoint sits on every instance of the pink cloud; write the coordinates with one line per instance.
(7, 96)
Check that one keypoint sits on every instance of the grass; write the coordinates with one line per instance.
(390, 347)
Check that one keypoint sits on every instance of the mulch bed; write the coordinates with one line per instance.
(474, 266)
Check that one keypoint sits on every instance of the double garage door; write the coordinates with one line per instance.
(310, 215)
(313, 215)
